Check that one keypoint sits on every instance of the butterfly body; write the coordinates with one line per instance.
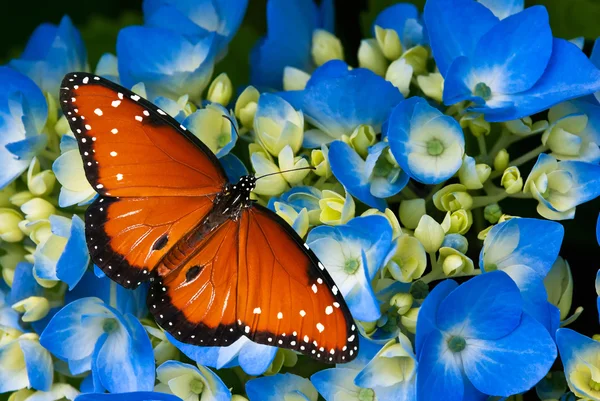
(219, 265)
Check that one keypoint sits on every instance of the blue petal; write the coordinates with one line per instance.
(255, 359)
(135, 396)
(327, 15)
(38, 363)
(234, 167)
(438, 371)
(74, 260)
(24, 284)
(571, 344)
(12, 82)
(455, 27)
(513, 55)
(274, 388)
(337, 102)
(586, 182)
(503, 8)
(395, 17)
(598, 230)
(381, 187)
(336, 384)
(361, 299)
(426, 323)
(27, 148)
(511, 364)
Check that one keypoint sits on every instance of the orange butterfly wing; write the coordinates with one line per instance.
(285, 296)
(156, 180)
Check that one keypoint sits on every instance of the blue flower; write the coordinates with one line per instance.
(353, 253)
(427, 144)
(504, 8)
(91, 335)
(190, 383)
(63, 255)
(133, 396)
(337, 100)
(475, 339)
(197, 19)
(299, 198)
(371, 180)
(404, 19)
(579, 355)
(281, 387)
(288, 44)
(213, 126)
(68, 168)
(253, 358)
(526, 249)
(167, 62)
(52, 52)
(25, 363)
(510, 68)
(23, 114)
(561, 186)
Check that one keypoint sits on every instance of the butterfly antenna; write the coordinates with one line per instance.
(286, 171)
(233, 124)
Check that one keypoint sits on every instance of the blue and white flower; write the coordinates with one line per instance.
(579, 355)
(281, 387)
(277, 124)
(68, 169)
(213, 126)
(299, 207)
(24, 363)
(404, 20)
(190, 383)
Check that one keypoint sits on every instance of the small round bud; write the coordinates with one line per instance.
(501, 160)
(371, 57)
(492, 213)
(220, 90)
(325, 47)
(402, 301)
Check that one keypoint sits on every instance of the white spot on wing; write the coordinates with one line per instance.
(119, 177)
(257, 311)
(320, 327)
(113, 153)
(302, 313)
(98, 112)
(280, 316)
(115, 103)
(135, 97)
(139, 118)
(114, 130)
(329, 310)
(86, 80)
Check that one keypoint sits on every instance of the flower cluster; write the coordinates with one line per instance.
(402, 167)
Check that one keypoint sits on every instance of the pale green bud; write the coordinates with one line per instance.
(6, 193)
(411, 211)
(409, 260)
(452, 197)
(454, 263)
(290, 358)
(37, 209)
(458, 222)
(237, 397)
(163, 349)
(245, 106)
(371, 57)
(21, 198)
(368, 327)
(559, 285)
(39, 230)
(9, 225)
(473, 175)
(400, 74)
(417, 57)
(335, 208)
(220, 89)
(429, 233)
(492, 213)
(525, 126)
(432, 85)
(325, 47)
(278, 130)
(409, 320)
(52, 110)
(294, 79)
(362, 138)
(402, 301)
(390, 216)
(483, 233)
(501, 160)
(512, 180)
(389, 42)
(272, 185)
(62, 126)
(11, 254)
(567, 140)
(33, 308)
(287, 161)
(21, 395)
(476, 124)
(319, 159)
(277, 363)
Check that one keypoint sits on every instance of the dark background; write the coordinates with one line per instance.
(99, 22)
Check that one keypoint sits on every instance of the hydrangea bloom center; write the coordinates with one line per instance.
(351, 266)
(110, 325)
(435, 147)
(196, 386)
(483, 91)
(366, 394)
(457, 343)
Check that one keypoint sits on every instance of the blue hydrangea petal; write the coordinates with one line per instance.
(511, 364)
(74, 260)
(234, 167)
(27, 148)
(336, 384)
(426, 323)
(274, 388)
(24, 284)
(504, 8)
(382, 187)
(457, 83)
(133, 396)
(327, 15)
(361, 299)
(11, 380)
(586, 183)
(314, 138)
(38, 363)
(598, 230)
(395, 17)
(455, 27)
(438, 371)
(255, 358)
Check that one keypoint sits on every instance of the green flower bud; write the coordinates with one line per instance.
(21, 395)
(512, 180)
(9, 225)
(280, 131)
(368, 327)
(483, 233)
(325, 47)
(220, 90)
(402, 301)
(33, 308)
(452, 197)
(371, 57)
(432, 85)
(430, 234)
(492, 213)
(21, 198)
(476, 124)
(336, 209)
(11, 254)
(237, 397)
(39, 230)
(297, 220)
(411, 211)
(458, 222)
(409, 320)
(473, 175)
(417, 57)
(6, 193)
(559, 285)
(362, 138)
(525, 126)
(389, 42)
(454, 263)
(319, 159)
(287, 161)
(37, 209)
(391, 217)
(501, 160)
(245, 106)
(400, 74)
(294, 79)
(409, 260)
(62, 126)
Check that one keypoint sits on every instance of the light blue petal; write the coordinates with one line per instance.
(503, 8)
(74, 260)
(314, 138)
(426, 323)
(255, 358)
(395, 17)
(383, 187)
(367, 349)
(586, 182)
(338, 103)
(361, 299)
(12, 82)
(438, 371)
(379, 232)
(572, 345)
(234, 167)
(595, 56)
(166, 16)
(24, 284)
(273, 388)
(336, 384)
(488, 306)
(27, 148)
(513, 55)
(135, 396)
(455, 27)
(38, 363)
(403, 391)
(511, 364)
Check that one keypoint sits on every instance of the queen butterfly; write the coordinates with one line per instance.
(220, 265)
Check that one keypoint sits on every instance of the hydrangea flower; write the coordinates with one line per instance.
(281, 386)
(213, 126)
(476, 55)
(25, 363)
(190, 383)
(579, 355)
(277, 124)
(475, 339)
(299, 207)
(403, 19)
(68, 168)
(503, 8)
(353, 254)
(428, 145)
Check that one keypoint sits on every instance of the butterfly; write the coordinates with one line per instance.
(220, 266)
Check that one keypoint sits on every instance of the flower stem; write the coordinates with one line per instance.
(482, 146)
